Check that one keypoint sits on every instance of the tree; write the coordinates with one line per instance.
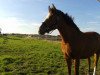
(98, 0)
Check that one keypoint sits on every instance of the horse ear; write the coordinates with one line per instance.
(49, 8)
(53, 6)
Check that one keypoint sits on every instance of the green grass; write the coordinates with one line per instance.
(29, 56)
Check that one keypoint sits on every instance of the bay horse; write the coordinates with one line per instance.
(75, 44)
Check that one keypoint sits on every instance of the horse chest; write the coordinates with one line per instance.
(66, 48)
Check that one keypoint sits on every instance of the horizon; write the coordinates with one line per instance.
(26, 16)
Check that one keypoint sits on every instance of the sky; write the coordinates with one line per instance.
(25, 16)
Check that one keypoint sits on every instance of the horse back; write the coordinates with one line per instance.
(94, 39)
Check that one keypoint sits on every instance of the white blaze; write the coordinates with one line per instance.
(48, 15)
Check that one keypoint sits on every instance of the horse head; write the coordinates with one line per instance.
(50, 22)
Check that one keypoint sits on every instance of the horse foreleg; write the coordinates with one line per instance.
(89, 63)
(76, 69)
(69, 64)
(96, 58)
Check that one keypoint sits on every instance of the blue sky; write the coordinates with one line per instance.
(25, 16)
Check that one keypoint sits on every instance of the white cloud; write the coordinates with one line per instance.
(92, 26)
(98, 17)
(88, 29)
(17, 25)
(93, 22)
(43, 0)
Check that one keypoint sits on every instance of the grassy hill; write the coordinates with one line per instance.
(30, 56)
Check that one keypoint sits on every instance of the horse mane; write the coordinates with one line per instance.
(69, 19)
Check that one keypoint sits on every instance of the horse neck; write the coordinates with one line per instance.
(68, 34)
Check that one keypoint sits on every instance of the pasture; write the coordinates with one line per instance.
(31, 56)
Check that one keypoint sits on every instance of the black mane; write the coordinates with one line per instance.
(69, 20)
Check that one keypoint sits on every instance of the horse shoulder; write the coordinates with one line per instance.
(66, 48)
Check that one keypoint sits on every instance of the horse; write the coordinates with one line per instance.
(75, 44)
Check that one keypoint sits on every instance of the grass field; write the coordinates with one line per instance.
(29, 56)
